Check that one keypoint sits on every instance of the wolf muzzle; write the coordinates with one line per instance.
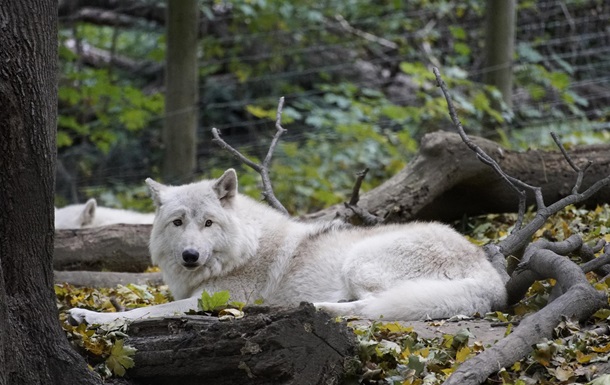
(190, 257)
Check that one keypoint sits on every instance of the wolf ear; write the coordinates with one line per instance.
(155, 189)
(88, 213)
(225, 187)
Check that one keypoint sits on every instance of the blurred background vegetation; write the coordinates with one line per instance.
(357, 80)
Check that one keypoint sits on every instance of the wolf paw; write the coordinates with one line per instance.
(336, 308)
(78, 316)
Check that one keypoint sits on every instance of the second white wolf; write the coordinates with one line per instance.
(207, 236)
(91, 215)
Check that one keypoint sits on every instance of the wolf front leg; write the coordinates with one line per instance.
(78, 316)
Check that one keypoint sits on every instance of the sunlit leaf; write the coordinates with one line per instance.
(120, 358)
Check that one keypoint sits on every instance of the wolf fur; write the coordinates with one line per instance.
(90, 214)
(206, 236)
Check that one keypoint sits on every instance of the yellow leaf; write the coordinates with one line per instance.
(120, 358)
(462, 354)
(395, 327)
(601, 349)
(583, 358)
(478, 346)
(424, 352)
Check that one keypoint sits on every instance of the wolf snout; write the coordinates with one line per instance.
(190, 257)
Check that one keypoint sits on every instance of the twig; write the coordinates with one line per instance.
(367, 218)
(263, 169)
(580, 172)
(514, 183)
(356, 190)
(365, 35)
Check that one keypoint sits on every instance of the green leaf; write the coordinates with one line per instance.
(395, 112)
(560, 80)
(457, 32)
(212, 302)
(120, 358)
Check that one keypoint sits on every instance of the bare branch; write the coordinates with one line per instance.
(367, 218)
(263, 169)
(365, 35)
(580, 172)
(356, 190)
(520, 236)
(279, 132)
(482, 155)
(225, 146)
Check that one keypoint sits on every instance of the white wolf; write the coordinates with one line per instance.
(91, 215)
(206, 236)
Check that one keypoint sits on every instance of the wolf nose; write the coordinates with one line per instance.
(190, 256)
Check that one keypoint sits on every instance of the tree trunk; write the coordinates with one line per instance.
(181, 90)
(267, 346)
(500, 46)
(33, 346)
(445, 180)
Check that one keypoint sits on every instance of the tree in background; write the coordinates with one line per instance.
(33, 347)
(500, 46)
(181, 92)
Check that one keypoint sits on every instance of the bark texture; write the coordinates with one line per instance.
(446, 181)
(33, 347)
(118, 247)
(267, 346)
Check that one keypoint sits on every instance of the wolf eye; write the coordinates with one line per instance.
(208, 223)
(177, 222)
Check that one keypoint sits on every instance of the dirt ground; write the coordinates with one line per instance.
(484, 331)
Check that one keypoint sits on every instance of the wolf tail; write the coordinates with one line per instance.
(426, 299)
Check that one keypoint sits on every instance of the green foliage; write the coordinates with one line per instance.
(213, 302)
(123, 197)
(339, 120)
(96, 104)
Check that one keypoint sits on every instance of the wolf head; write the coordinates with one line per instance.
(76, 216)
(196, 226)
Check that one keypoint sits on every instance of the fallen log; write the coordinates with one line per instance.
(267, 346)
(99, 279)
(118, 247)
(446, 180)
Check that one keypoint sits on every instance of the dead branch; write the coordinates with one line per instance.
(262, 169)
(579, 301)
(574, 297)
(356, 190)
(521, 236)
(99, 58)
(363, 34)
(360, 216)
